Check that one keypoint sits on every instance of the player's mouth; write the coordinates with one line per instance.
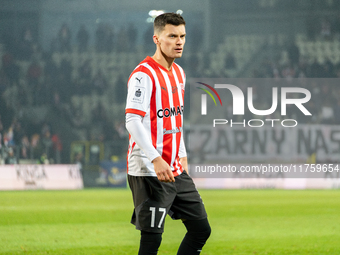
(179, 50)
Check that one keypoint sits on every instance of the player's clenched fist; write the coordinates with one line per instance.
(163, 170)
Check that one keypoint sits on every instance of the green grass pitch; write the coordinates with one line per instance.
(96, 221)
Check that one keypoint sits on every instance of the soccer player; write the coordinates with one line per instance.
(157, 159)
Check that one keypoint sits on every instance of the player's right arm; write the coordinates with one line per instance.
(133, 123)
(138, 103)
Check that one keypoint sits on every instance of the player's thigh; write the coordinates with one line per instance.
(152, 201)
(188, 203)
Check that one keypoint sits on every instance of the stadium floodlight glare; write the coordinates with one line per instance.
(180, 12)
(153, 14)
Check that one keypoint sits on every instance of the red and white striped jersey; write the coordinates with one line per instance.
(158, 95)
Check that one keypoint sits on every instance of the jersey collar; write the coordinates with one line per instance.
(148, 58)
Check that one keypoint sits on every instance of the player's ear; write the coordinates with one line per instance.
(155, 39)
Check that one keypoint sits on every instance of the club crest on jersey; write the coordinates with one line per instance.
(174, 89)
(139, 95)
(169, 112)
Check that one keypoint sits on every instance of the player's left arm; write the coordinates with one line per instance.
(184, 163)
(182, 154)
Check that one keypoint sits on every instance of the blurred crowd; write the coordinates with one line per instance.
(290, 64)
(30, 78)
(42, 82)
(105, 37)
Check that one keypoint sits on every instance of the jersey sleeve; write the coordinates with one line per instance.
(139, 93)
(136, 129)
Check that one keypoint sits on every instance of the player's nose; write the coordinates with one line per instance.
(180, 41)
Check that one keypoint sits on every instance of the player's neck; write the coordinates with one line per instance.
(163, 60)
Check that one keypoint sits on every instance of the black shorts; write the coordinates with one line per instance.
(154, 199)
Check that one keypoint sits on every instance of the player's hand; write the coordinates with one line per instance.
(163, 170)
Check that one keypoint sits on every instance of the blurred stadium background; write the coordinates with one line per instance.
(63, 73)
(65, 64)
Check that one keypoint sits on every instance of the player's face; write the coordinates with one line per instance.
(171, 41)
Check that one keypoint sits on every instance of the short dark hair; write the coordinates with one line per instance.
(167, 18)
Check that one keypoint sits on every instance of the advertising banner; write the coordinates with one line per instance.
(113, 174)
(265, 144)
(24, 177)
